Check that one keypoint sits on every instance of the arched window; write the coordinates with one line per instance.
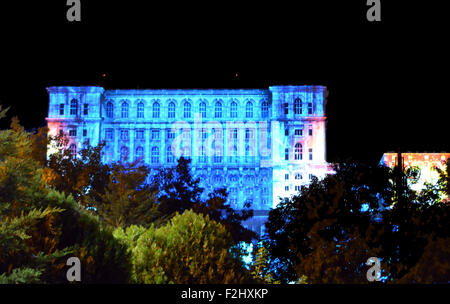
(155, 155)
(298, 151)
(298, 106)
(298, 176)
(310, 108)
(169, 155)
(73, 149)
(73, 107)
(265, 109)
(124, 154)
(202, 109)
(249, 110)
(156, 108)
(140, 110)
(218, 110)
(171, 110)
(187, 110)
(233, 110)
(139, 153)
(124, 110)
(109, 110)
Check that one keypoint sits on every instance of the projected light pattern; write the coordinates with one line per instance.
(261, 144)
(425, 162)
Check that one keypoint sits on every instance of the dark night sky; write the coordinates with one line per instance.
(387, 81)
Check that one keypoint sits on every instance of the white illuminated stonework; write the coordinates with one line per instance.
(261, 144)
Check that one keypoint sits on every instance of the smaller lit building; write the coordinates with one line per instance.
(425, 162)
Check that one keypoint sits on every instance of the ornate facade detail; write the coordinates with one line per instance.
(260, 144)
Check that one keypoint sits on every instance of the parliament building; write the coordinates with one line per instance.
(260, 144)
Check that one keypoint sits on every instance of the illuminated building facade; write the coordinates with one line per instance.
(261, 144)
(425, 162)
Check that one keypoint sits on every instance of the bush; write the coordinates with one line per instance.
(190, 249)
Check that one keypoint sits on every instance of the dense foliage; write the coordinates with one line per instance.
(40, 227)
(329, 230)
(189, 249)
(127, 224)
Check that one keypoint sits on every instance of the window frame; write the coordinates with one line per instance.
(187, 109)
(298, 151)
(124, 110)
(109, 109)
(140, 110)
(218, 109)
(171, 110)
(249, 109)
(156, 110)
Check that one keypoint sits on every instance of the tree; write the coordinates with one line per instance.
(179, 191)
(83, 176)
(433, 265)
(39, 144)
(260, 266)
(315, 232)
(40, 227)
(333, 226)
(444, 180)
(217, 209)
(189, 249)
(127, 198)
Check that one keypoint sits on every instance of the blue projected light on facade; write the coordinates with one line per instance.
(260, 144)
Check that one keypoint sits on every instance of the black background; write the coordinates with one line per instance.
(369, 293)
(387, 80)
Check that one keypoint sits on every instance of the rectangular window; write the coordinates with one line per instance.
(248, 134)
(286, 108)
(84, 132)
(310, 131)
(217, 133)
(286, 154)
(310, 176)
(186, 134)
(139, 134)
(61, 132)
(310, 154)
(286, 176)
(61, 109)
(298, 132)
(85, 109)
(155, 134)
(124, 134)
(203, 158)
(310, 108)
(170, 158)
(286, 132)
(73, 132)
(286, 188)
(297, 188)
(170, 134)
(109, 134)
(204, 134)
